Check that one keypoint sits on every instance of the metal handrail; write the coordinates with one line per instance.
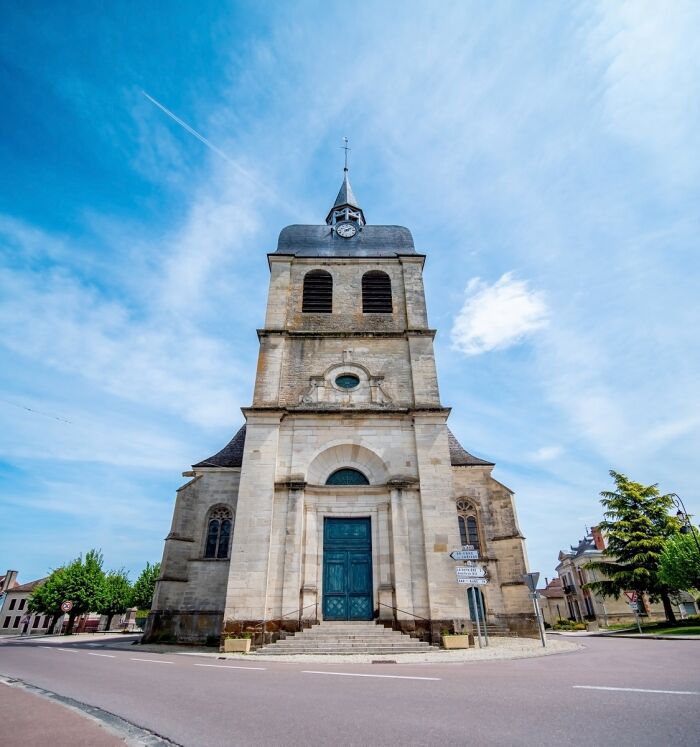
(405, 612)
(300, 609)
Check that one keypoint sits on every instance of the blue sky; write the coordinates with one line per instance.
(545, 157)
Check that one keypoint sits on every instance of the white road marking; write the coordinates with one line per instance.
(381, 676)
(108, 656)
(70, 650)
(637, 690)
(229, 666)
(154, 661)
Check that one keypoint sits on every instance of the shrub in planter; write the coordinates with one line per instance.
(237, 643)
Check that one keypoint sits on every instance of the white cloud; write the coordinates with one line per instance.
(497, 316)
(547, 453)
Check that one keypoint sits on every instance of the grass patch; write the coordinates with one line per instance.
(687, 630)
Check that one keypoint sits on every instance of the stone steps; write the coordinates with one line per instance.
(343, 637)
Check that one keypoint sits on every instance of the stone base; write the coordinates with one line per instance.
(173, 626)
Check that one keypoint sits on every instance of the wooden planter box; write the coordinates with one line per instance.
(455, 641)
(236, 645)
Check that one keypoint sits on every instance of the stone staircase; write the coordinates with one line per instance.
(347, 637)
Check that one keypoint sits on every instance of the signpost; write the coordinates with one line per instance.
(471, 570)
(472, 581)
(531, 580)
(634, 606)
(464, 554)
(472, 575)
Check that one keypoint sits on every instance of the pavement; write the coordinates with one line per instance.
(614, 691)
(29, 718)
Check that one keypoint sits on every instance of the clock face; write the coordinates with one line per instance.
(346, 230)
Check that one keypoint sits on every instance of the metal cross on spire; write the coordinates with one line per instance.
(346, 149)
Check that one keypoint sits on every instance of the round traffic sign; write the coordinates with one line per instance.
(67, 606)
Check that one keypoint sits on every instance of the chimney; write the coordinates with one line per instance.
(598, 538)
(8, 582)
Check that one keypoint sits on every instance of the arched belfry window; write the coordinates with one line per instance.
(347, 476)
(376, 293)
(219, 531)
(468, 526)
(318, 293)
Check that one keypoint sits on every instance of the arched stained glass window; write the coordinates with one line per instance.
(468, 527)
(219, 526)
(347, 476)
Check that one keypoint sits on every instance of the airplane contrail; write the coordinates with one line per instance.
(209, 144)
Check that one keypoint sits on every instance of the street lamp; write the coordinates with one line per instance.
(685, 519)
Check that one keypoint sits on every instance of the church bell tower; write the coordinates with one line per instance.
(344, 492)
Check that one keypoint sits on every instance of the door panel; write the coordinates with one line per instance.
(347, 569)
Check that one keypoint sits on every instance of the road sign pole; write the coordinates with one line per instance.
(636, 617)
(476, 613)
(538, 617)
(480, 597)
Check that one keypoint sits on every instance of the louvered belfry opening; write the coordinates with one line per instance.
(318, 293)
(376, 293)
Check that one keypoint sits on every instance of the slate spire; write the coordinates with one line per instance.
(346, 206)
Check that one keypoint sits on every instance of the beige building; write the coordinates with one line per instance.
(344, 492)
(584, 605)
(552, 602)
(15, 617)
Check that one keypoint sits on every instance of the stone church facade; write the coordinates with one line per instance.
(344, 492)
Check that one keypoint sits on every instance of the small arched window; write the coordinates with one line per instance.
(318, 293)
(347, 476)
(219, 530)
(468, 527)
(376, 293)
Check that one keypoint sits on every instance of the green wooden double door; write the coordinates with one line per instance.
(347, 569)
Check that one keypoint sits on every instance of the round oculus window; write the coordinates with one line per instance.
(347, 381)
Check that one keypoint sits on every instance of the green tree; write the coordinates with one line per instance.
(114, 596)
(48, 598)
(82, 583)
(637, 525)
(142, 595)
(679, 564)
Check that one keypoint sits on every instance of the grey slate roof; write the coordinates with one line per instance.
(459, 457)
(345, 195)
(232, 454)
(322, 241)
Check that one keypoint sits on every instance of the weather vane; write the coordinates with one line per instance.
(346, 149)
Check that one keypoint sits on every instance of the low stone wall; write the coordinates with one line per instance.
(174, 626)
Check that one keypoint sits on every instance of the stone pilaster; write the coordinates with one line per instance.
(250, 553)
(291, 591)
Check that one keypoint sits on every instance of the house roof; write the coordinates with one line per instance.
(553, 590)
(232, 454)
(30, 586)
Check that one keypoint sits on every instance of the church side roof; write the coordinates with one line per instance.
(460, 457)
(232, 454)
(323, 241)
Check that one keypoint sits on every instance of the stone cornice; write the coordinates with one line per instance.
(402, 334)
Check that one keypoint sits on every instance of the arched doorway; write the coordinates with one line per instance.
(477, 605)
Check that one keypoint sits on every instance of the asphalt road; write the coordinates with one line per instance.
(614, 692)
